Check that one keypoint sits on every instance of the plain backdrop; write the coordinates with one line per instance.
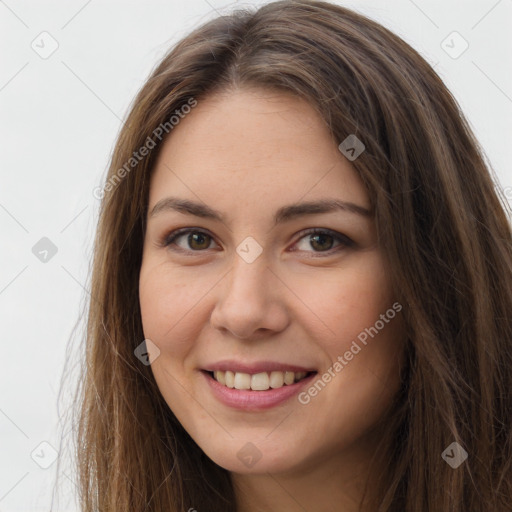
(59, 118)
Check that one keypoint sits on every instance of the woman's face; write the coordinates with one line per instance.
(248, 291)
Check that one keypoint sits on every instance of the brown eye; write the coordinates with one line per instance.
(322, 240)
(198, 240)
(189, 240)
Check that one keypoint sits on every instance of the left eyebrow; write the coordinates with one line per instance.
(284, 214)
(315, 207)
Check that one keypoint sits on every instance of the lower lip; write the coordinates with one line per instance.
(254, 400)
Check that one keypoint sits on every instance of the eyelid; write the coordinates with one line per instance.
(344, 241)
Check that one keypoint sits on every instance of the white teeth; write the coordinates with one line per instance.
(220, 377)
(289, 377)
(242, 381)
(229, 378)
(258, 381)
(276, 379)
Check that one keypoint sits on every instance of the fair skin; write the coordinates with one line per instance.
(302, 301)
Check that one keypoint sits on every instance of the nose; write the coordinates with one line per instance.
(250, 301)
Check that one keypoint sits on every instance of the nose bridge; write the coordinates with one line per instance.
(249, 280)
(248, 300)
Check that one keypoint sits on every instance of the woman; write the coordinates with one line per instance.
(302, 283)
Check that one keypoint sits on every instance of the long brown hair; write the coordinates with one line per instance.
(440, 222)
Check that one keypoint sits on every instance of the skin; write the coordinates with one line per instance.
(247, 153)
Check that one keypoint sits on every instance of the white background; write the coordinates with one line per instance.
(59, 120)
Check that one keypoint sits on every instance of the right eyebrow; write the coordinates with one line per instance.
(186, 206)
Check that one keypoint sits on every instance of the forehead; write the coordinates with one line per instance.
(252, 146)
(249, 125)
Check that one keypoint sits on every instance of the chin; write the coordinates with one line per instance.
(253, 458)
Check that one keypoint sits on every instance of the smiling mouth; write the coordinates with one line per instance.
(262, 381)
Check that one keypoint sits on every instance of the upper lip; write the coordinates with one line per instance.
(255, 367)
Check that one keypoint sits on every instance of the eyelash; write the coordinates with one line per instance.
(343, 240)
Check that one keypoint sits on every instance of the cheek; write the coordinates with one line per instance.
(169, 301)
(360, 378)
(172, 319)
(363, 350)
(345, 302)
